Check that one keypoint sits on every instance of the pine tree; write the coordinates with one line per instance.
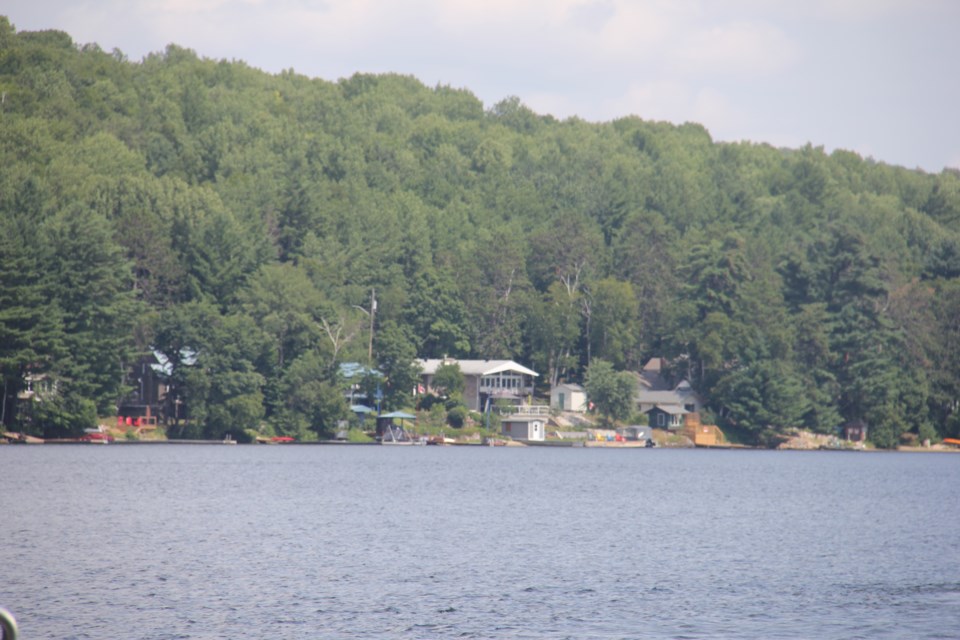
(29, 331)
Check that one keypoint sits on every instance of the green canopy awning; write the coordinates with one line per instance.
(399, 414)
(361, 408)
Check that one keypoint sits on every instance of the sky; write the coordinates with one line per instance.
(877, 77)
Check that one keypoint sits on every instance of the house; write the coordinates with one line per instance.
(523, 427)
(37, 386)
(653, 389)
(354, 373)
(652, 378)
(568, 397)
(666, 416)
(149, 383)
(485, 381)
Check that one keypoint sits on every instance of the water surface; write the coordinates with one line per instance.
(163, 542)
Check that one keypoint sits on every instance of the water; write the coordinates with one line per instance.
(163, 542)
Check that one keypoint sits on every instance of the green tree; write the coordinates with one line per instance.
(644, 256)
(814, 358)
(29, 329)
(611, 392)
(90, 282)
(437, 315)
(396, 356)
(233, 402)
(613, 322)
(763, 399)
(214, 361)
(553, 321)
(945, 359)
(311, 400)
(139, 209)
(283, 302)
(495, 287)
(448, 380)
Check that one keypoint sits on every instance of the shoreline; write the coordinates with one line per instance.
(936, 448)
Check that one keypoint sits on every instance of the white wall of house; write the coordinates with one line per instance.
(567, 397)
(525, 429)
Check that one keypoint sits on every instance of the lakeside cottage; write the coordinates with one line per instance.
(484, 380)
(148, 402)
(666, 417)
(654, 390)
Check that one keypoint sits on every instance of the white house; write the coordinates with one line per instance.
(568, 397)
(523, 427)
(484, 380)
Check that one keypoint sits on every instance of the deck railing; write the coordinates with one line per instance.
(524, 410)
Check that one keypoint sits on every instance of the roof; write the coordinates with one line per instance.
(653, 364)
(399, 414)
(661, 397)
(475, 367)
(671, 409)
(361, 408)
(163, 365)
(569, 385)
(354, 369)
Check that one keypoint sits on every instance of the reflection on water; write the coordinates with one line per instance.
(436, 542)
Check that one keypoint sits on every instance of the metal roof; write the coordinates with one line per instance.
(476, 367)
(353, 369)
(669, 408)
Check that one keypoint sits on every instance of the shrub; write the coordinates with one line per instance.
(457, 416)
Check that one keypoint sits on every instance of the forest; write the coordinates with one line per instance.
(260, 229)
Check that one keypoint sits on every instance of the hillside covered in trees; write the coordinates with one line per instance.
(237, 222)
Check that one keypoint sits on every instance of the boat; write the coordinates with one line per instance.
(96, 437)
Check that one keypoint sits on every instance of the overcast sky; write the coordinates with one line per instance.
(879, 77)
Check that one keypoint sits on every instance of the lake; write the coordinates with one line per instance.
(163, 542)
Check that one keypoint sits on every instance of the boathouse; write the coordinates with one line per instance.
(526, 428)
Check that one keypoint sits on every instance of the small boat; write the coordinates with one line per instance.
(97, 437)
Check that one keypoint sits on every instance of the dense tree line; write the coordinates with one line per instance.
(238, 222)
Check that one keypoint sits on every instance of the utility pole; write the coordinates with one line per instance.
(373, 312)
